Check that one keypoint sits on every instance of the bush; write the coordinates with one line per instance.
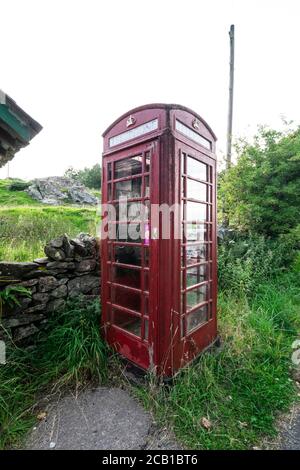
(18, 185)
(245, 262)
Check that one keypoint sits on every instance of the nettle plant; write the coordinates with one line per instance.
(9, 296)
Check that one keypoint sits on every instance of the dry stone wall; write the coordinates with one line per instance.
(69, 270)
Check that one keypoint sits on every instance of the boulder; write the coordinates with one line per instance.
(82, 285)
(47, 283)
(58, 190)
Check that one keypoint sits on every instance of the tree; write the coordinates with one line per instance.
(90, 177)
(261, 193)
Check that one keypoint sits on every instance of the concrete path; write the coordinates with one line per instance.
(290, 432)
(103, 418)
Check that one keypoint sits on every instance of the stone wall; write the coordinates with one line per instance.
(70, 269)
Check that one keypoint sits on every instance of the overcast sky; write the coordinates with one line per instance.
(76, 65)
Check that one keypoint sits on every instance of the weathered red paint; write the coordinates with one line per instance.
(168, 346)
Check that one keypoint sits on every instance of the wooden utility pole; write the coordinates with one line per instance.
(230, 104)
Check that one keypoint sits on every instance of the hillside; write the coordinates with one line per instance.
(26, 225)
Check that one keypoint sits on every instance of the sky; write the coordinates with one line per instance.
(75, 66)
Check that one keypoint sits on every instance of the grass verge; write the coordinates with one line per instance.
(69, 352)
(25, 230)
(241, 388)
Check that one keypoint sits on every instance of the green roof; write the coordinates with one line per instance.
(17, 128)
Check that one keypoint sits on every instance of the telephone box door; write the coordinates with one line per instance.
(129, 284)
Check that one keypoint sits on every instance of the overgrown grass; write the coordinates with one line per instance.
(25, 230)
(240, 389)
(69, 352)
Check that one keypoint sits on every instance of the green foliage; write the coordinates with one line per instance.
(242, 387)
(245, 262)
(261, 193)
(24, 231)
(18, 185)
(90, 177)
(8, 296)
(70, 352)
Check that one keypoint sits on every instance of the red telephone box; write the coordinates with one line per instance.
(158, 248)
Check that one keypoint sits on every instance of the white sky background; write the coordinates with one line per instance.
(76, 65)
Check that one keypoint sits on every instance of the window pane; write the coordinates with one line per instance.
(127, 322)
(196, 296)
(128, 167)
(127, 211)
(196, 318)
(195, 232)
(128, 255)
(196, 275)
(126, 276)
(125, 232)
(195, 254)
(196, 169)
(129, 189)
(147, 187)
(109, 171)
(125, 298)
(196, 190)
(195, 211)
(147, 162)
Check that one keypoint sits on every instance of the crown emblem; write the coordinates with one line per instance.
(196, 124)
(130, 121)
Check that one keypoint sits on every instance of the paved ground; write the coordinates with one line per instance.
(290, 432)
(103, 418)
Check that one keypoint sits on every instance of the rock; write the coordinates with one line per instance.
(35, 308)
(42, 297)
(29, 283)
(25, 332)
(47, 283)
(57, 242)
(61, 265)
(59, 292)
(24, 302)
(68, 247)
(54, 253)
(15, 270)
(82, 285)
(62, 281)
(58, 190)
(36, 273)
(41, 260)
(55, 304)
(79, 247)
(19, 320)
(86, 265)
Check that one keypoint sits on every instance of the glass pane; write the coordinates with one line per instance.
(183, 163)
(126, 276)
(127, 322)
(196, 318)
(146, 305)
(125, 298)
(128, 167)
(129, 189)
(125, 232)
(195, 211)
(146, 326)
(147, 187)
(146, 280)
(109, 192)
(109, 171)
(127, 211)
(196, 275)
(147, 162)
(196, 190)
(196, 169)
(195, 232)
(195, 254)
(128, 255)
(196, 296)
